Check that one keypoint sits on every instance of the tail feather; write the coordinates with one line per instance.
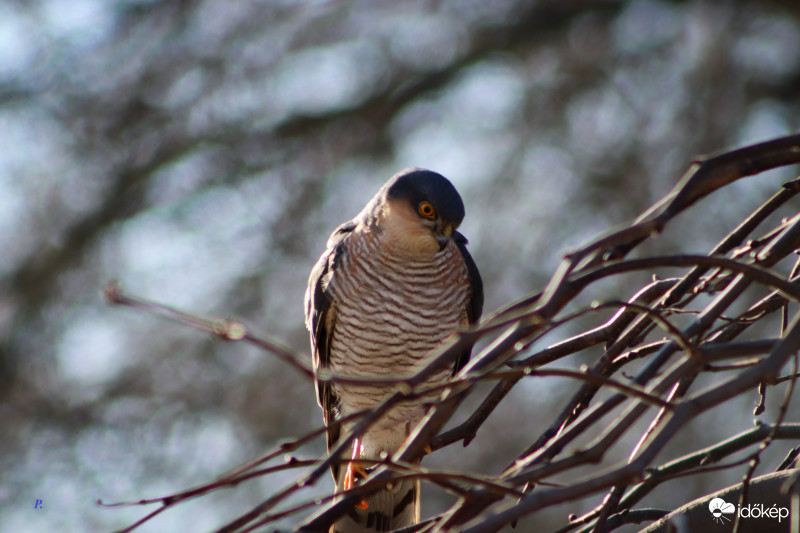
(393, 508)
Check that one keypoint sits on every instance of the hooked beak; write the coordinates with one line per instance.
(443, 236)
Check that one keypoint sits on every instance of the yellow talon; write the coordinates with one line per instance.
(355, 471)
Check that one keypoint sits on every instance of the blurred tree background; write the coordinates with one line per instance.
(202, 151)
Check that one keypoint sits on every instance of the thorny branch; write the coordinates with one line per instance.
(701, 311)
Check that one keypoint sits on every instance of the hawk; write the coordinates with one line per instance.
(393, 283)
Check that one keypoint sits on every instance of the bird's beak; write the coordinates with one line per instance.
(443, 237)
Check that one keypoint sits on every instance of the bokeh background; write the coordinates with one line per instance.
(201, 152)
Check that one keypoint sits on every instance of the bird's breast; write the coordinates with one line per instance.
(392, 311)
(391, 314)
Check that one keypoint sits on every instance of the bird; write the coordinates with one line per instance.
(393, 283)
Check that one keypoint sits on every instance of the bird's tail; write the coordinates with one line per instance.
(395, 507)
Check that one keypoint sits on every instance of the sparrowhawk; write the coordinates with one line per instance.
(393, 283)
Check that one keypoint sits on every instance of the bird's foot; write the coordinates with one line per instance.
(355, 472)
(427, 449)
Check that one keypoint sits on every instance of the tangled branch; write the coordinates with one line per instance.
(678, 329)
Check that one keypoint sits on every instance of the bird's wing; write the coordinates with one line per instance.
(320, 318)
(475, 303)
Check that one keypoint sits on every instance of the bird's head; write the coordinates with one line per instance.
(419, 210)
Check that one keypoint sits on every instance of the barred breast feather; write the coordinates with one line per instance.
(391, 313)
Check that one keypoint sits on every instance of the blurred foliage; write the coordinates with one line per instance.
(202, 151)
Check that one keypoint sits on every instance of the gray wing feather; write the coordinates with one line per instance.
(475, 304)
(320, 318)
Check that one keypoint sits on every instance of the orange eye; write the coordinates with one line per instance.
(427, 210)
